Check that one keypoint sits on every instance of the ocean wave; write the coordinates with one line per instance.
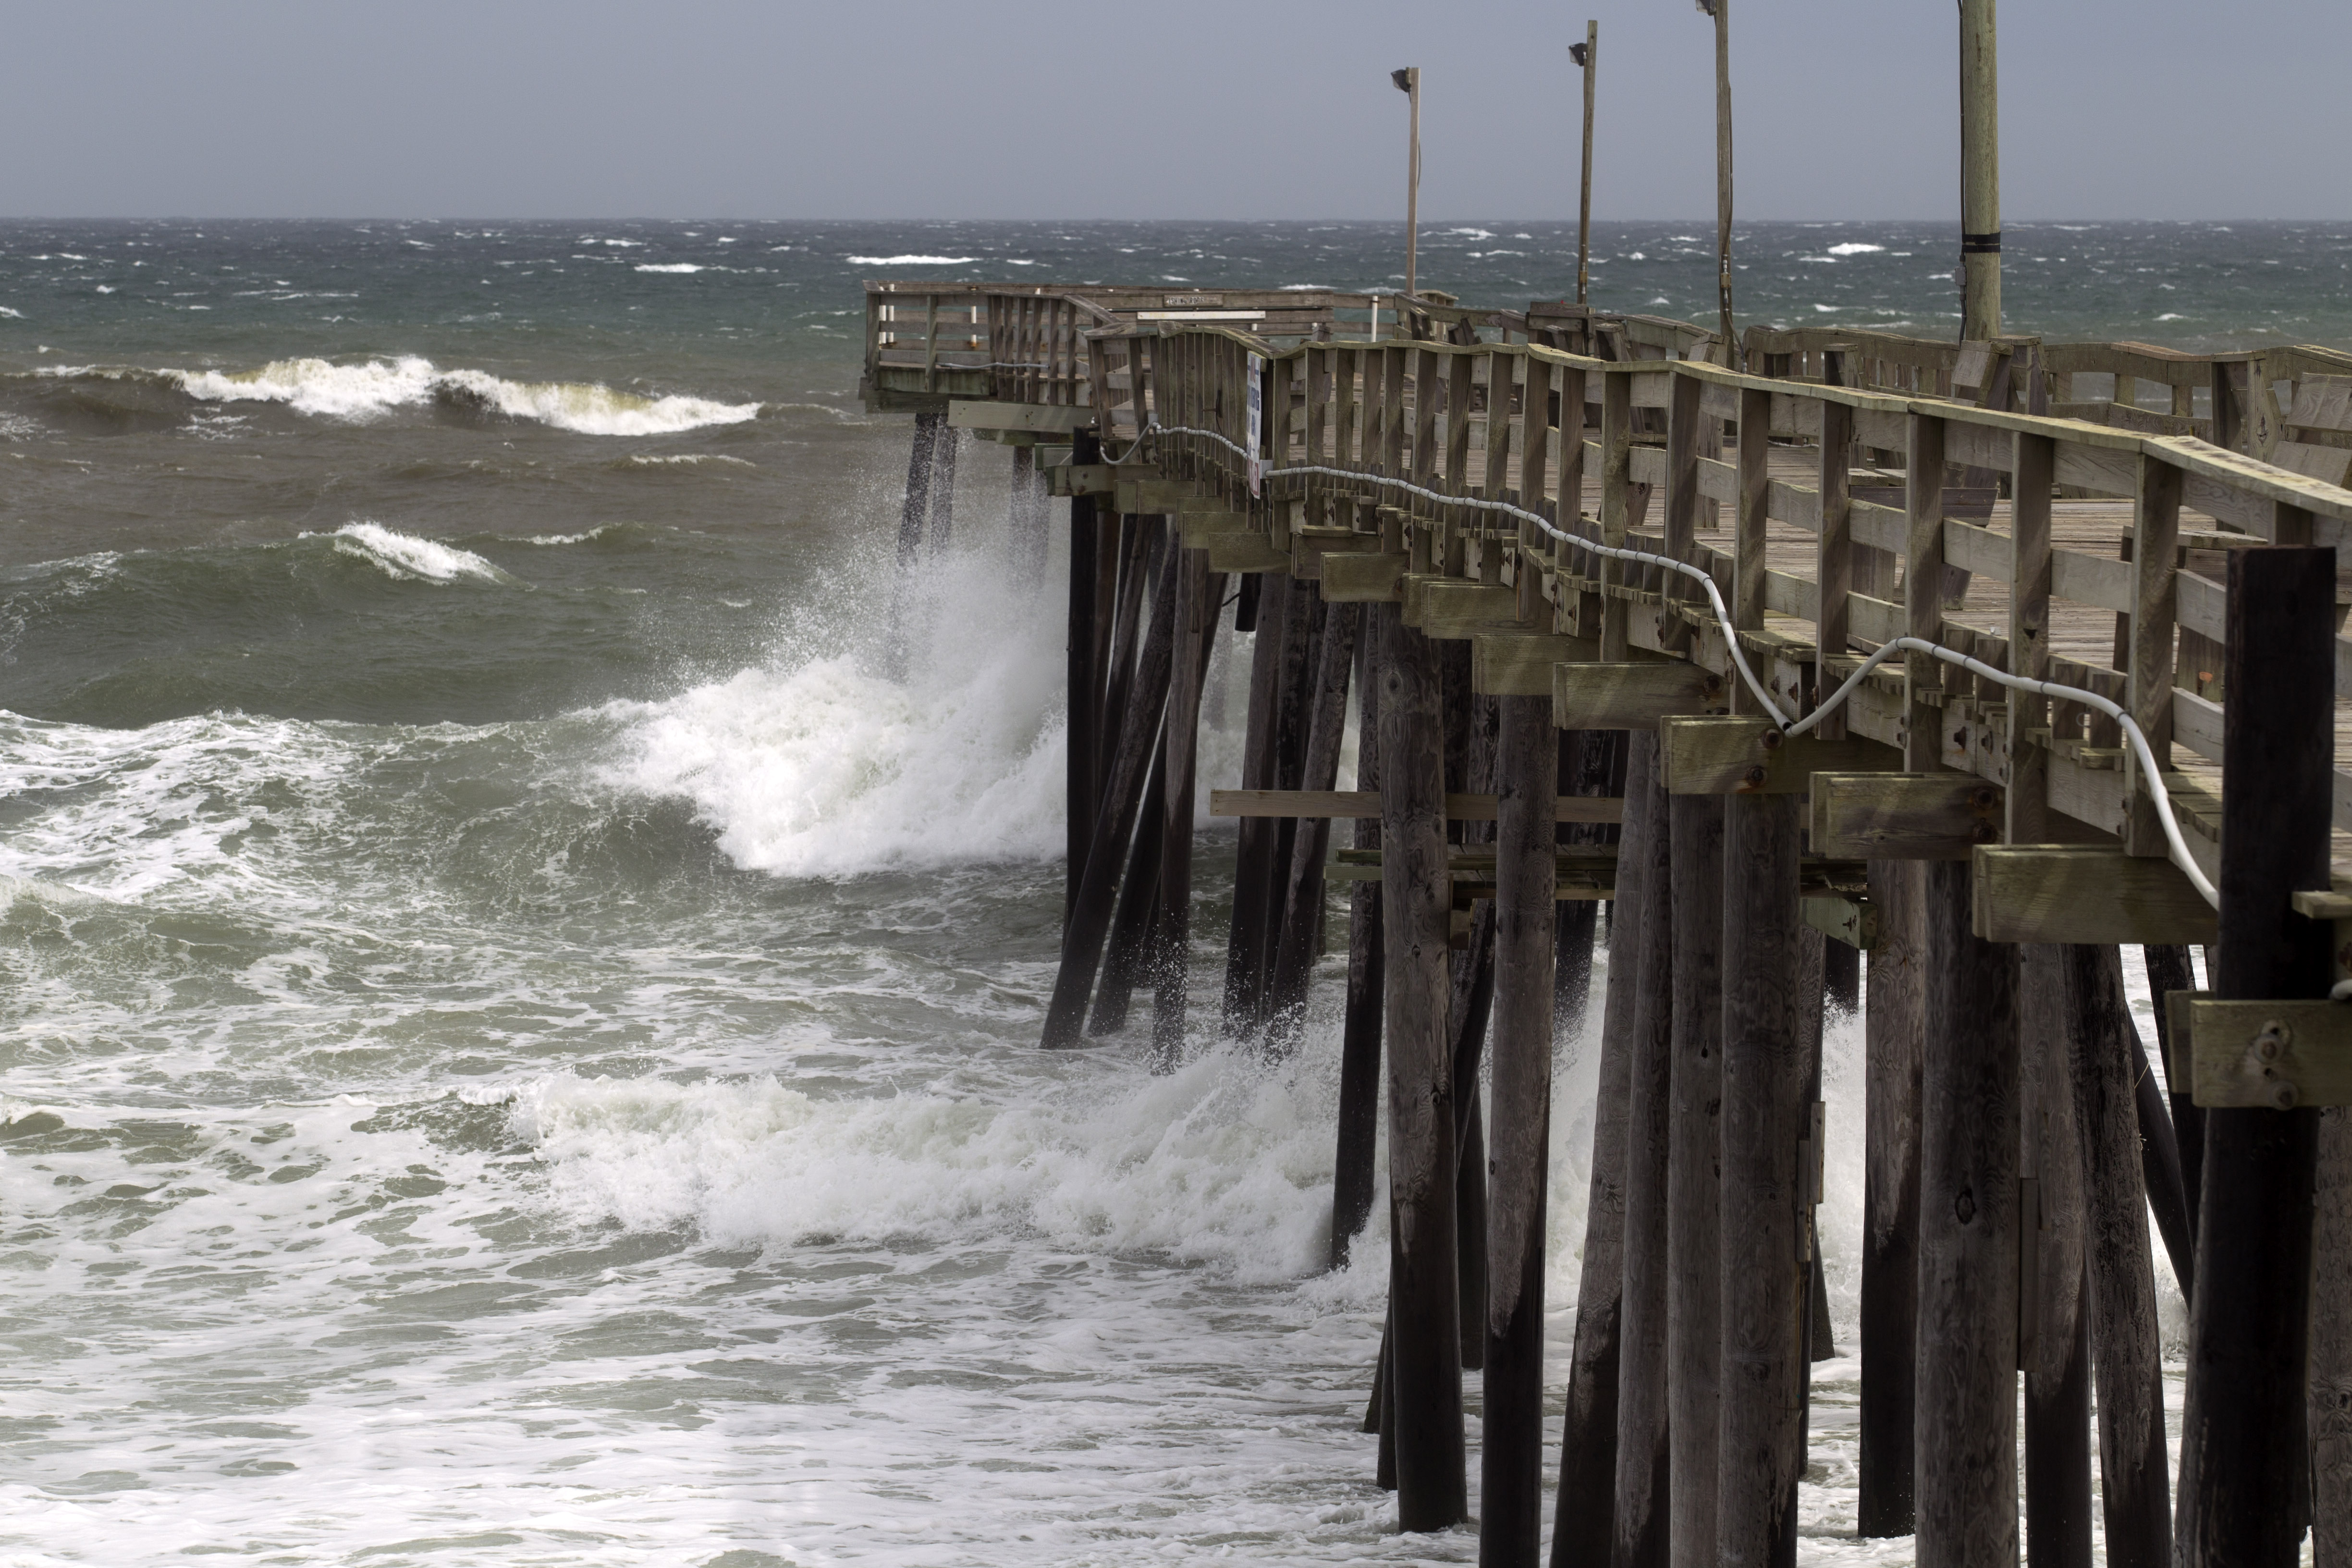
(678, 267)
(1223, 1163)
(642, 460)
(814, 766)
(908, 261)
(372, 388)
(405, 555)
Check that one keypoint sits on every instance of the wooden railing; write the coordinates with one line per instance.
(1485, 421)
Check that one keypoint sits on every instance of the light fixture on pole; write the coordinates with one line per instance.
(1980, 173)
(1408, 81)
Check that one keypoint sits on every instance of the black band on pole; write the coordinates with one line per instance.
(1980, 244)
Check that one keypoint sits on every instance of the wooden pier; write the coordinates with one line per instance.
(1399, 496)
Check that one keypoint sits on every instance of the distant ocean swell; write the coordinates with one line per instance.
(367, 390)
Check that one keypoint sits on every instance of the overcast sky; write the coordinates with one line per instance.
(1211, 108)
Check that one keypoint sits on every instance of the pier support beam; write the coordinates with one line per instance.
(2244, 1482)
(1425, 1357)
(1966, 1416)
(1642, 1500)
(1298, 935)
(1081, 741)
(1089, 922)
(1199, 594)
(1767, 1114)
(1891, 1028)
(1583, 1521)
(1694, 1190)
(1359, 1046)
(1525, 784)
(2055, 1346)
(2135, 1481)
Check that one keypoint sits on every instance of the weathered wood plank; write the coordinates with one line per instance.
(1595, 696)
(1355, 804)
(1903, 816)
(1747, 756)
(2086, 893)
(1508, 665)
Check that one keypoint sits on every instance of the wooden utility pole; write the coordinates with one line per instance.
(1587, 55)
(1721, 11)
(1408, 82)
(1980, 173)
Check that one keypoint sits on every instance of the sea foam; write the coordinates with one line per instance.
(405, 555)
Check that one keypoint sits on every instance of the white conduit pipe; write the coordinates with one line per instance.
(2140, 748)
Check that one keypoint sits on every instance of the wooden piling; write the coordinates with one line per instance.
(1585, 1506)
(1126, 952)
(2242, 1475)
(2168, 970)
(1694, 1275)
(1966, 1420)
(2135, 1489)
(1199, 594)
(1511, 1463)
(1767, 1114)
(1642, 1507)
(1081, 740)
(1254, 846)
(1025, 525)
(2054, 1345)
(1466, 1013)
(1359, 1047)
(2159, 1154)
(1890, 1231)
(1425, 1359)
(1594, 764)
(943, 489)
(1089, 924)
(2329, 1400)
(1300, 931)
(1841, 979)
(915, 509)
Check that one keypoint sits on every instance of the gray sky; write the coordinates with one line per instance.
(1214, 109)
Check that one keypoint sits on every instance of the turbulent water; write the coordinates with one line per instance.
(520, 1041)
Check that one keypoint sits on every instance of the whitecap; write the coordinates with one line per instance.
(1854, 248)
(1826, 309)
(682, 460)
(669, 267)
(406, 557)
(2171, 316)
(908, 261)
(1472, 233)
(12, 314)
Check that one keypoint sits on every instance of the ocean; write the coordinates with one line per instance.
(520, 1040)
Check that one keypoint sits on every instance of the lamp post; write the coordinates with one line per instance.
(1720, 11)
(1408, 81)
(1587, 55)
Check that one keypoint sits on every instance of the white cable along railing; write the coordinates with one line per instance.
(2179, 856)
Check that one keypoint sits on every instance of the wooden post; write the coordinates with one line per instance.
(1694, 1275)
(1026, 521)
(1584, 1520)
(1126, 952)
(2242, 1479)
(1641, 1501)
(2054, 1327)
(1980, 173)
(1589, 59)
(1966, 1416)
(1359, 1048)
(2330, 1396)
(912, 511)
(1893, 1022)
(1593, 763)
(1254, 854)
(1081, 740)
(1088, 929)
(1721, 11)
(1300, 932)
(1527, 781)
(1767, 1113)
(1408, 80)
(2168, 970)
(1425, 1359)
(2135, 1489)
(943, 484)
(1199, 594)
